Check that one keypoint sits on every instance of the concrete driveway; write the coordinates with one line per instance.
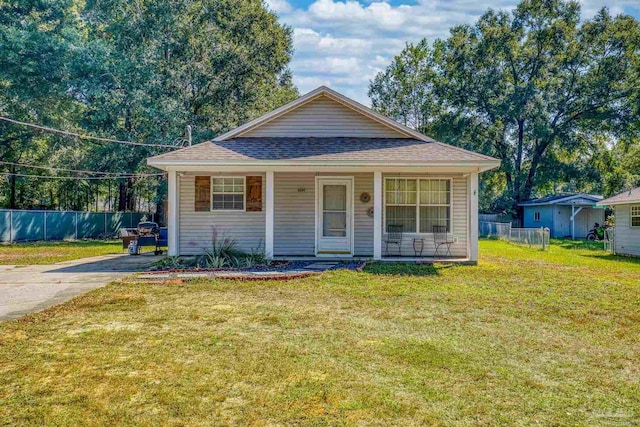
(29, 288)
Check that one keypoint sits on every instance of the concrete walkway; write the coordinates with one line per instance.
(29, 288)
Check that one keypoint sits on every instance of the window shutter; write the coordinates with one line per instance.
(254, 194)
(203, 194)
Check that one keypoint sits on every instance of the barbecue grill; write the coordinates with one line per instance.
(148, 228)
(149, 235)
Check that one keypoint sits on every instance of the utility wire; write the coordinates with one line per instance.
(79, 171)
(7, 174)
(81, 136)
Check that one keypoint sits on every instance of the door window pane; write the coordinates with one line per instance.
(334, 198)
(334, 224)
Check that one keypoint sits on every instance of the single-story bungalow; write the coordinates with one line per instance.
(626, 207)
(565, 215)
(325, 176)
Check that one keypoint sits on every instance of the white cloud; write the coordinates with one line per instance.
(344, 43)
(329, 65)
(306, 39)
(279, 6)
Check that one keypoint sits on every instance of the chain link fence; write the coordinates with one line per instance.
(610, 240)
(531, 237)
(25, 226)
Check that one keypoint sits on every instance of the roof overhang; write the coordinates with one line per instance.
(620, 202)
(319, 166)
(565, 201)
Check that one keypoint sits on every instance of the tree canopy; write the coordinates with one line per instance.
(538, 88)
(136, 71)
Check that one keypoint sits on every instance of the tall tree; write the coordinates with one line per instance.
(36, 44)
(138, 71)
(160, 66)
(534, 87)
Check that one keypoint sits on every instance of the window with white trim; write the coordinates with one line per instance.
(417, 204)
(227, 193)
(635, 215)
(536, 216)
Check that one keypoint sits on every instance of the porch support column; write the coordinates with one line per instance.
(573, 221)
(173, 215)
(269, 208)
(473, 217)
(377, 215)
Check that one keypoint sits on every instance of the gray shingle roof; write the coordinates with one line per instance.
(323, 150)
(630, 196)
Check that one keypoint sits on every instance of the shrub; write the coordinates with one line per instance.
(222, 253)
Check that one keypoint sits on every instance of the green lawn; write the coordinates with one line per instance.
(52, 252)
(525, 338)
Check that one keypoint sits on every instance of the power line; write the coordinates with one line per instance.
(79, 171)
(81, 136)
(7, 174)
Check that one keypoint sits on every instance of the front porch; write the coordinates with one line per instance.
(386, 259)
(329, 214)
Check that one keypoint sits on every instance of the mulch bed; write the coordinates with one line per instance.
(288, 270)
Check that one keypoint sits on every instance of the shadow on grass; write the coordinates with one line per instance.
(405, 269)
(615, 258)
(578, 244)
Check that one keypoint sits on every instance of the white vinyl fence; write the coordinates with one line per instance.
(531, 237)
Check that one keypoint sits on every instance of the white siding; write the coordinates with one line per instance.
(294, 218)
(196, 228)
(561, 222)
(459, 216)
(295, 201)
(363, 224)
(585, 219)
(627, 238)
(294, 211)
(323, 117)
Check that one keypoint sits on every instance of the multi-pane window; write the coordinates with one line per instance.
(536, 216)
(227, 193)
(401, 198)
(635, 215)
(435, 204)
(417, 204)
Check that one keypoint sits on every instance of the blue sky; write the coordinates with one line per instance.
(344, 43)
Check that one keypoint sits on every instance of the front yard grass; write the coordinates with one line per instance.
(52, 252)
(525, 338)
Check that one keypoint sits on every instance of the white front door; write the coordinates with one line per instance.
(334, 216)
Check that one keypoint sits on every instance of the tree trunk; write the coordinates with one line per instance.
(525, 194)
(12, 190)
(518, 172)
(131, 200)
(122, 196)
(161, 191)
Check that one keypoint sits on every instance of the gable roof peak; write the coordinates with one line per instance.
(335, 96)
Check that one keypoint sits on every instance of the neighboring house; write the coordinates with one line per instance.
(323, 176)
(565, 215)
(626, 207)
